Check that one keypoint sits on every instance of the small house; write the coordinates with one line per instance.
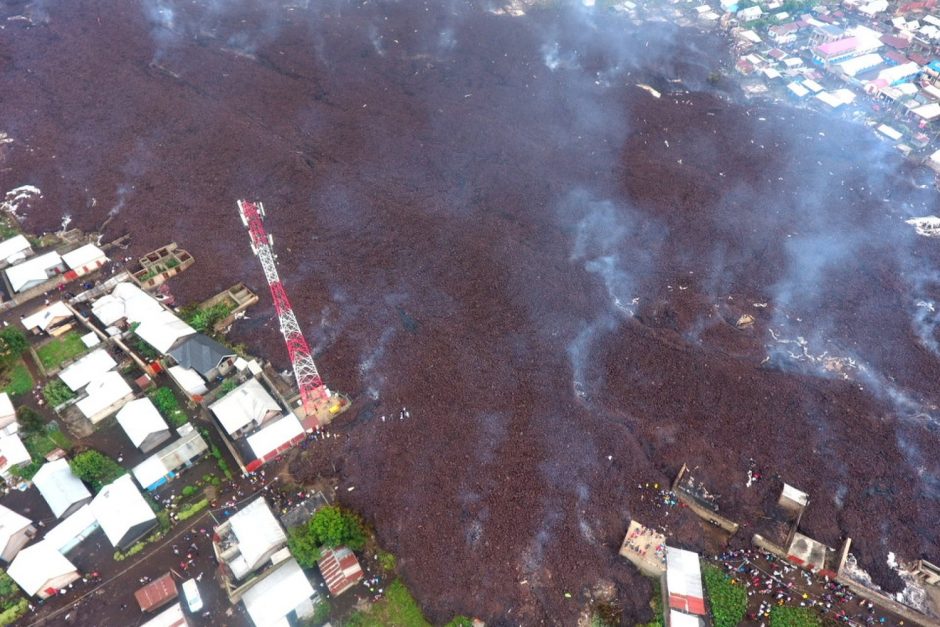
(165, 464)
(84, 260)
(282, 597)
(189, 381)
(89, 367)
(7, 413)
(16, 531)
(244, 408)
(201, 353)
(340, 569)
(54, 319)
(105, 395)
(14, 250)
(126, 302)
(72, 531)
(684, 582)
(61, 489)
(157, 593)
(41, 571)
(123, 513)
(163, 331)
(170, 617)
(143, 424)
(12, 453)
(35, 271)
(248, 539)
(273, 439)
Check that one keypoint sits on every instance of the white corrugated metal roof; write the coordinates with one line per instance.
(59, 486)
(12, 452)
(188, 379)
(270, 600)
(126, 300)
(13, 247)
(35, 269)
(150, 471)
(139, 418)
(87, 254)
(162, 330)
(6, 406)
(257, 532)
(119, 507)
(103, 392)
(91, 339)
(681, 619)
(170, 617)
(683, 573)
(274, 435)
(89, 367)
(10, 524)
(75, 526)
(247, 403)
(37, 564)
(46, 316)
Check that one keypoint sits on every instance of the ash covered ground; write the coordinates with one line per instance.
(481, 217)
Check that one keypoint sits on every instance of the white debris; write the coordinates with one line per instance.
(928, 226)
(654, 93)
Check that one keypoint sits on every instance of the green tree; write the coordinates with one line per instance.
(30, 420)
(96, 468)
(728, 601)
(787, 616)
(332, 527)
(304, 546)
(13, 343)
(165, 401)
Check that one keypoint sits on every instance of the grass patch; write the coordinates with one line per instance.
(787, 616)
(39, 444)
(192, 510)
(398, 608)
(60, 349)
(56, 393)
(166, 402)
(12, 603)
(17, 380)
(727, 600)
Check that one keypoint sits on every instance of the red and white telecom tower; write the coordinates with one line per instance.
(313, 393)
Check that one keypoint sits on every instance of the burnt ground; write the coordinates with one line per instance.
(483, 219)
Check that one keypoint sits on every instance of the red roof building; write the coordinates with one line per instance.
(340, 569)
(157, 593)
(684, 582)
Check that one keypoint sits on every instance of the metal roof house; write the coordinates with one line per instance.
(340, 569)
(124, 515)
(40, 570)
(7, 413)
(157, 593)
(69, 533)
(244, 408)
(13, 453)
(248, 539)
(201, 353)
(14, 250)
(84, 259)
(89, 367)
(170, 617)
(61, 489)
(51, 319)
(165, 464)
(143, 424)
(283, 594)
(15, 531)
(35, 271)
(273, 439)
(125, 302)
(105, 395)
(684, 582)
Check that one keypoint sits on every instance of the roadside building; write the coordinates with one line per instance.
(126, 303)
(72, 531)
(35, 271)
(684, 582)
(163, 331)
(812, 555)
(14, 250)
(282, 597)
(143, 424)
(244, 408)
(275, 438)
(41, 571)
(16, 531)
(340, 569)
(170, 617)
(157, 593)
(61, 489)
(84, 260)
(201, 353)
(13, 453)
(7, 413)
(248, 539)
(89, 367)
(189, 381)
(105, 395)
(124, 515)
(165, 464)
(54, 319)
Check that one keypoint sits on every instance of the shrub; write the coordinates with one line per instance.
(165, 401)
(787, 616)
(13, 343)
(95, 468)
(56, 392)
(189, 490)
(728, 601)
(30, 420)
(145, 350)
(333, 526)
(193, 509)
(387, 561)
(14, 612)
(205, 319)
(227, 386)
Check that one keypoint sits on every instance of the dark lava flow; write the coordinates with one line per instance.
(482, 218)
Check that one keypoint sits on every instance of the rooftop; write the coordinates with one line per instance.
(253, 532)
(273, 598)
(92, 365)
(59, 486)
(119, 507)
(139, 419)
(37, 564)
(340, 569)
(247, 403)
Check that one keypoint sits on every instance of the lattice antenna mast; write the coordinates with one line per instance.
(312, 390)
